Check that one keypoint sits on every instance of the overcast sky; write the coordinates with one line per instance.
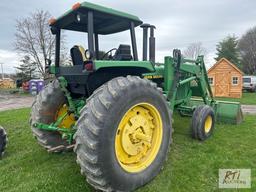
(178, 23)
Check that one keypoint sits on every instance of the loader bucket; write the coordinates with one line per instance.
(228, 112)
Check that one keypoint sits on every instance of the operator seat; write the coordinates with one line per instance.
(123, 53)
(78, 55)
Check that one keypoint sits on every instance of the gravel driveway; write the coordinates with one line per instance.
(249, 109)
(8, 102)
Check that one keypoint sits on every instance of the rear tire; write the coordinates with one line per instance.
(3, 141)
(202, 122)
(98, 128)
(44, 110)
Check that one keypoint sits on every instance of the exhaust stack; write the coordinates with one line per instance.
(152, 44)
(145, 27)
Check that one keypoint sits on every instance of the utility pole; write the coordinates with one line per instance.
(2, 70)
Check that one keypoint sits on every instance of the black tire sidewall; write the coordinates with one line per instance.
(195, 121)
(122, 179)
(51, 106)
(203, 114)
(2, 141)
(44, 110)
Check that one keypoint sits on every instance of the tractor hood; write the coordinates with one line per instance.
(106, 20)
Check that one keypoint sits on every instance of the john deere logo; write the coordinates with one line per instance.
(234, 178)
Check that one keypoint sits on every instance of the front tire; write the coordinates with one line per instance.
(202, 122)
(122, 119)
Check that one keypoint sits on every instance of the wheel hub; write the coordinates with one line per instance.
(68, 121)
(137, 132)
(138, 137)
(208, 124)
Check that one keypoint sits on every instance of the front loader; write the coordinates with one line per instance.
(116, 110)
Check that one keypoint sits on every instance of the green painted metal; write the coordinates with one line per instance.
(67, 133)
(63, 84)
(187, 80)
(229, 112)
(115, 21)
(79, 104)
(74, 106)
(157, 74)
(190, 68)
(51, 127)
(110, 11)
(52, 69)
(147, 65)
(168, 73)
(225, 112)
(193, 83)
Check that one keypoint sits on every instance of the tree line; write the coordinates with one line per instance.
(33, 39)
(240, 51)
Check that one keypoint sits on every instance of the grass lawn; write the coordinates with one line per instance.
(247, 98)
(192, 165)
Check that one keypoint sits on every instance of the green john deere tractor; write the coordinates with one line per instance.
(115, 110)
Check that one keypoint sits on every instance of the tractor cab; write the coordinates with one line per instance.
(95, 20)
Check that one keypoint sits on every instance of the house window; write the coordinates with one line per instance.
(234, 80)
(210, 80)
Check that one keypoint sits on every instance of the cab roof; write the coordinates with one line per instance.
(106, 20)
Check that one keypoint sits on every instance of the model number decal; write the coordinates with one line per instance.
(153, 76)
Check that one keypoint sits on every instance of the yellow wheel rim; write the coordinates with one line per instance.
(68, 121)
(138, 137)
(208, 124)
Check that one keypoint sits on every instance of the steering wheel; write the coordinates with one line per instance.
(110, 51)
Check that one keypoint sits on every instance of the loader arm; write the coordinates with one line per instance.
(187, 86)
(198, 71)
(200, 60)
(179, 75)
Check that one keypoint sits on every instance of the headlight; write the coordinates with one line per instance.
(88, 54)
(78, 17)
